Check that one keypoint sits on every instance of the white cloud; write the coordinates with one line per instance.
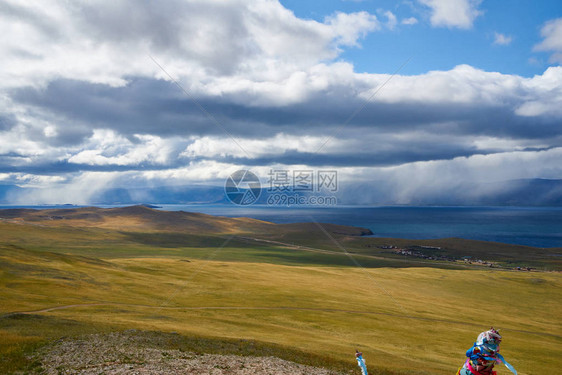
(30, 180)
(277, 61)
(26, 141)
(409, 21)
(348, 28)
(546, 98)
(257, 56)
(276, 145)
(103, 42)
(297, 87)
(540, 95)
(463, 84)
(453, 13)
(391, 20)
(502, 39)
(106, 147)
(552, 42)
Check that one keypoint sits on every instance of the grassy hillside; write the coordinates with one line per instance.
(142, 231)
(299, 303)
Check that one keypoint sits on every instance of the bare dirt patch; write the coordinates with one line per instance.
(128, 353)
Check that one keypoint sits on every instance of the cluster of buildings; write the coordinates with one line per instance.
(418, 253)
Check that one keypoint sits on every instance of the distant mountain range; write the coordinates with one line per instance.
(525, 192)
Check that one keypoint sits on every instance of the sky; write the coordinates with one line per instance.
(419, 94)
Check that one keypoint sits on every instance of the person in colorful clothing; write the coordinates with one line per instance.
(484, 354)
(361, 362)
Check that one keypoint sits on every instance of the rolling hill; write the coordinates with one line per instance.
(305, 293)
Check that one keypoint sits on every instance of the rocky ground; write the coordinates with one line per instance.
(130, 353)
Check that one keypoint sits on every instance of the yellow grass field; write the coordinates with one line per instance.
(401, 318)
(416, 320)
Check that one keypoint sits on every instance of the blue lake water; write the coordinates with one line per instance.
(531, 226)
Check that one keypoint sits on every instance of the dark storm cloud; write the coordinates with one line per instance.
(374, 159)
(148, 106)
(144, 106)
(52, 167)
(375, 153)
(7, 122)
(10, 161)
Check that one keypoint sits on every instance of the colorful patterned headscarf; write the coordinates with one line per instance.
(487, 347)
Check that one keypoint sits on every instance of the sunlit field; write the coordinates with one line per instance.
(313, 310)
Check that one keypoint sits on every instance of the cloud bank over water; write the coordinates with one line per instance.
(83, 107)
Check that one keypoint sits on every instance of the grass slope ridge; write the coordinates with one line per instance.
(145, 218)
